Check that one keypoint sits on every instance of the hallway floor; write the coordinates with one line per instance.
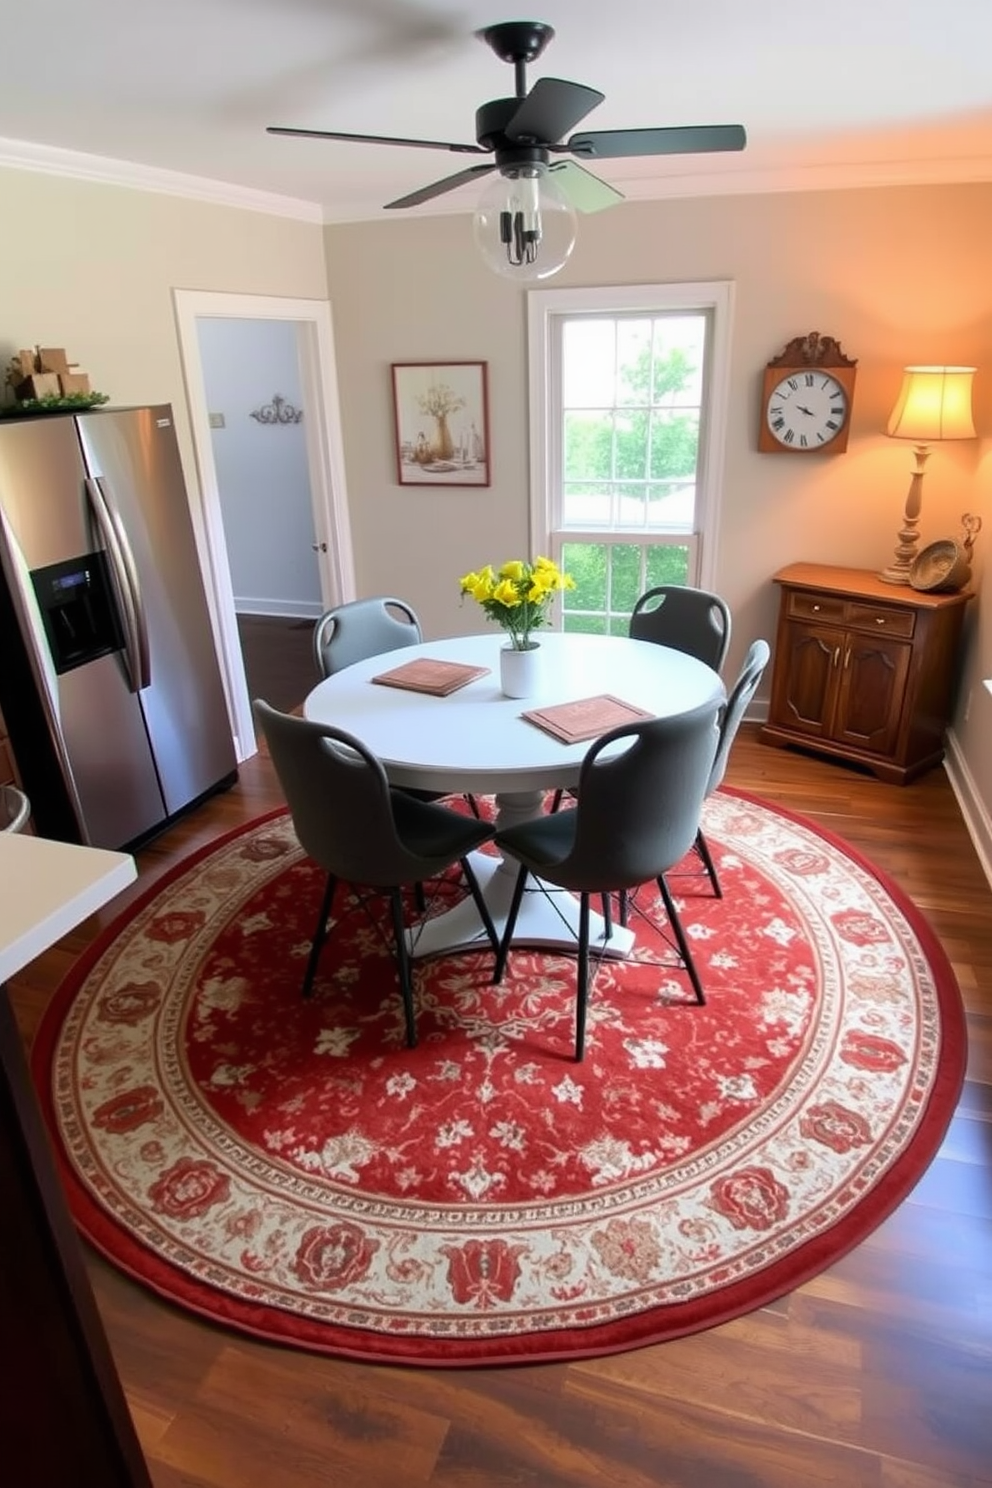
(278, 658)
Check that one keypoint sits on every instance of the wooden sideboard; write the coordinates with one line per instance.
(864, 671)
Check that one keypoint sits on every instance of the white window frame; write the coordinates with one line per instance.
(546, 309)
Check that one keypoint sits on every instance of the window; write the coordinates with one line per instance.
(628, 400)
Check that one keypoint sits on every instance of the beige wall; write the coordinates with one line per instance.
(92, 268)
(898, 276)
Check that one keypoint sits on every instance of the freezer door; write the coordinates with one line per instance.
(133, 458)
(93, 723)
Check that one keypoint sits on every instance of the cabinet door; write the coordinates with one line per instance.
(64, 1419)
(806, 678)
(872, 686)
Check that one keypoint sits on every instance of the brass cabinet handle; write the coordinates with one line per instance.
(847, 658)
(836, 655)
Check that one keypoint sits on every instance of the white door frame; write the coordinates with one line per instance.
(318, 377)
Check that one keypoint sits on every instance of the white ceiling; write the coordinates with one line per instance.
(831, 92)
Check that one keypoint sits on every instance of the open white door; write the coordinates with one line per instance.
(324, 457)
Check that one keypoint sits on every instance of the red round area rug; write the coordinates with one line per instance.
(293, 1170)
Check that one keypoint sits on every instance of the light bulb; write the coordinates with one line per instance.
(524, 225)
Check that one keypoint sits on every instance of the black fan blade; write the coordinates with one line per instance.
(586, 192)
(550, 110)
(377, 139)
(438, 188)
(698, 139)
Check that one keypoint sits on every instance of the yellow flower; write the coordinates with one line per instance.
(514, 570)
(506, 593)
(548, 574)
(479, 585)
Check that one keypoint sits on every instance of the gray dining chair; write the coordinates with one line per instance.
(636, 817)
(361, 628)
(15, 809)
(731, 717)
(685, 618)
(351, 822)
(367, 627)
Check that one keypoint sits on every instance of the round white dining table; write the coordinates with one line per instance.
(476, 741)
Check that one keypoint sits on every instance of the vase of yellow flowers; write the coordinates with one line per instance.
(518, 597)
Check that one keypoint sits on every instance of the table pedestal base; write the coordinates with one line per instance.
(548, 918)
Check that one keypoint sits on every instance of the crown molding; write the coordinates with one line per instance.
(743, 181)
(757, 181)
(53, 161)
(845, 176)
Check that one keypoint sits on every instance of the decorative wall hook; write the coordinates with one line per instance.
(277, 412)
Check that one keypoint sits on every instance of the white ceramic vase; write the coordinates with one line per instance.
(520, 671)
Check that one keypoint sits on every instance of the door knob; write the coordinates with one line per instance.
(319, 547)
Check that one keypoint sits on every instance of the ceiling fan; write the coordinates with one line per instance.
(525, 222)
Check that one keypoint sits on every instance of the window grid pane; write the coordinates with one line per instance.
(632, 389)
(609, 576)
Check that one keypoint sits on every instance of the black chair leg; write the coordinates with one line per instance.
(480, 903)
(511, 920)
(607, 917)
(474, 807)
(403, 964)
(556, 799)
(319, 934)
(683, 944)
(623, 899)
(702, 847)
(582, 979)
(419, 897)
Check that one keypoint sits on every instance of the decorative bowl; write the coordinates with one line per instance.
(942, 566)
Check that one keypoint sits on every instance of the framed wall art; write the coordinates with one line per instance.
(442, 423)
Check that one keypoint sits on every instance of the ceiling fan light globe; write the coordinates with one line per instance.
(524, 226)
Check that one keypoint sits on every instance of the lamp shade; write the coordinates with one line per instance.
(934, 403)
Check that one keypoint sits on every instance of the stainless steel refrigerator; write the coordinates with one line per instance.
(109, 680)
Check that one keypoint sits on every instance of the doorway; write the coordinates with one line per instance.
(311, 320)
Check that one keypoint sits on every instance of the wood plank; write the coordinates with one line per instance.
(336, 1419)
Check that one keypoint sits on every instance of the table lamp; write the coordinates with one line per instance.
(934, 403)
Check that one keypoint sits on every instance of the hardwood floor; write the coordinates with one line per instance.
(278, 657)
(875, 1374)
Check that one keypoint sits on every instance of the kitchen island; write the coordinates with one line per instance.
(63, 1416)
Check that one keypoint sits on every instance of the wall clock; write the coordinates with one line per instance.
(806, 398)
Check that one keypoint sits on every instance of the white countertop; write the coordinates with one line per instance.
(47, 888)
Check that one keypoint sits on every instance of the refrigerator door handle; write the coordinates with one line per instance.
(126, 581)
